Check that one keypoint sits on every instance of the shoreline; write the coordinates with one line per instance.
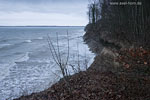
(104, 79)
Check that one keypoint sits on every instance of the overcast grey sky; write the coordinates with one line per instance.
(43, 12)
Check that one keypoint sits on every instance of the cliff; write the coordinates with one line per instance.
(110, 77)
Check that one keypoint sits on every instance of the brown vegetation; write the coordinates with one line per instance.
(93, 85)
(137, 59)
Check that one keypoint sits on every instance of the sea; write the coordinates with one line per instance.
(27, 64)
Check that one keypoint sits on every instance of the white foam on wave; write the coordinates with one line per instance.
(43, 61)
(4, 45)
(28, 41)
(24, 57)
(4, 70)
(40, 38)
(47, 61)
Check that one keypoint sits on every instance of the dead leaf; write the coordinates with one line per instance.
(127, 65)
(145, 63)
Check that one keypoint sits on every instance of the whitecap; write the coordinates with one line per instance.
(24, 57)
(40, 38)
(28, 41)
(44, 61)
(4, 70)
(4, 45)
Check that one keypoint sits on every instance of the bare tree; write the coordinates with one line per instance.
(129, 23)
(57, 57)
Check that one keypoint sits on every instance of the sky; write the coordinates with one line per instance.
(43, 12)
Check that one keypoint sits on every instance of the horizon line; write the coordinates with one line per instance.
(42, 26)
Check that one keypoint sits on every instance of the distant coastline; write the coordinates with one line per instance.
(42, 26)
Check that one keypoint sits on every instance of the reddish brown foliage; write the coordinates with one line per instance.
(132, 58)
(94, 85)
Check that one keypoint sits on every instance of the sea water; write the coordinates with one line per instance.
(26, 63)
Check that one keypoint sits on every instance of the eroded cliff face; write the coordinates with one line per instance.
(105, 49)
(105, 46)
(106, 61)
